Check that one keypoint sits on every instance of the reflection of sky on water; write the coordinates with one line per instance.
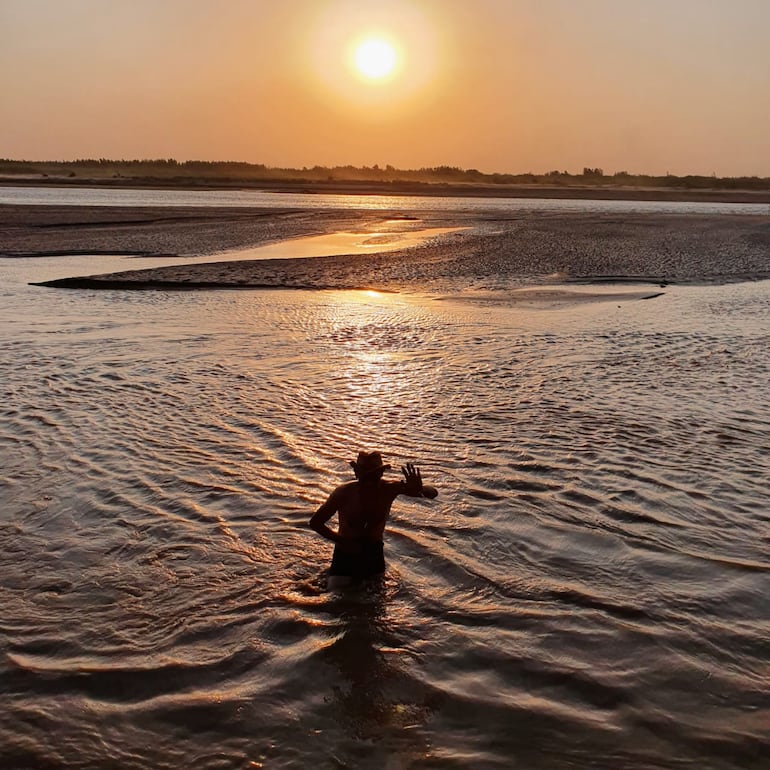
(38, 269)
(82, 196)
(333, 244)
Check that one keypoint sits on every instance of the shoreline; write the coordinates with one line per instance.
(533, 297)
(418, 189)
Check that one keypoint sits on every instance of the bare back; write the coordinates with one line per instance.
(363, 509)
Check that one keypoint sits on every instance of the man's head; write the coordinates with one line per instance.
(368, 466)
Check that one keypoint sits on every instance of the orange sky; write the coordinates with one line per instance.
(679, 86)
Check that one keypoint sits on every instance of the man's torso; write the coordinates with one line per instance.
(363, 511)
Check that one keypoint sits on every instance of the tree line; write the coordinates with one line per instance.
(201, 171)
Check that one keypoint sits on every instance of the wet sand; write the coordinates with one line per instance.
(41, 230)
(494, 252)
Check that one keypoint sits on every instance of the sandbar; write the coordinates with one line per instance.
(492, 251)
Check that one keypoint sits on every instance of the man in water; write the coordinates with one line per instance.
(362, 509)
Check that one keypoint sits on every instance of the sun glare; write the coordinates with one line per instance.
(375, 59)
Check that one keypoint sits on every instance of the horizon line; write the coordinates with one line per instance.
(593, 172)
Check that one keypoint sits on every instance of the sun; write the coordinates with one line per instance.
(375, 58)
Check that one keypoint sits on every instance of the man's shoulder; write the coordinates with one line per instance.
(394, 487)
(344, 489)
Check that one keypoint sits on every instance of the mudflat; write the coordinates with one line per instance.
(493, 250)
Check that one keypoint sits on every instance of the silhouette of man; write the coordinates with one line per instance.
(362, 509)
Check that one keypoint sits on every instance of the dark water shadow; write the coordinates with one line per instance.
(377, 703)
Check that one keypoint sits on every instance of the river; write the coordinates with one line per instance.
(590, 589)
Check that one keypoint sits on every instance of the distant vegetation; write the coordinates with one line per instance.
(233, 172)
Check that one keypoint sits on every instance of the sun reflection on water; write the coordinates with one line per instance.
(372, 334)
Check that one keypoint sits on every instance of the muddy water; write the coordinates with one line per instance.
(590, 589)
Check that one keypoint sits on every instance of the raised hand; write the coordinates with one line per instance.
(413, 478)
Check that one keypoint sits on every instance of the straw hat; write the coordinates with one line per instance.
(368, 462)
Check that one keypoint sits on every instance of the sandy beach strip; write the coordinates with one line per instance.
(494, 251)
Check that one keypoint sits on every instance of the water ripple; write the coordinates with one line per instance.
(589, 589)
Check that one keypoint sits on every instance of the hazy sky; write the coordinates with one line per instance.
(679, 86)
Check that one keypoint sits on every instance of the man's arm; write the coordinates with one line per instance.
(412, 484)
(323, 514)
